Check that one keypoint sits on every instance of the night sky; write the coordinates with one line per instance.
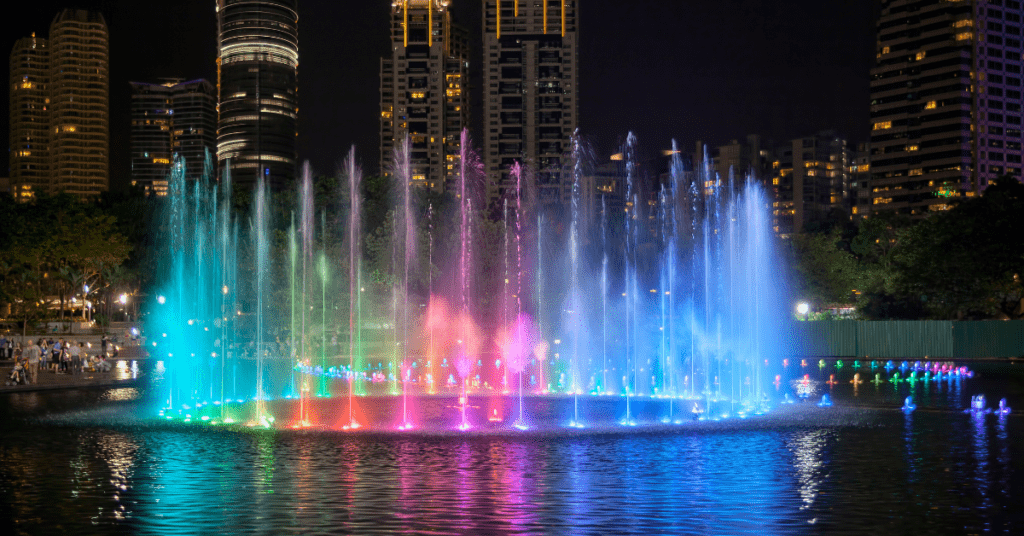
(665, 69)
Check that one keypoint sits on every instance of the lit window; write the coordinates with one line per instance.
(930, 105)
(883, 125)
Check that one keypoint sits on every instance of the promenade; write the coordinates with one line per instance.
(120, 375)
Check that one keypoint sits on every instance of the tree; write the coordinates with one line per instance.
(827, 272)
(967, 262)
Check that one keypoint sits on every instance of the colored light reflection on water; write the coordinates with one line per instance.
(94, 462)
(875, 474)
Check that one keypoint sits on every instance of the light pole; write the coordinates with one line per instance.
(123, 300)
(803, 308)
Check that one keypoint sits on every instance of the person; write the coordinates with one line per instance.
(75, 351)
(55, 354)
(32, 358)
(44, 354)
(3, 346)
(65, 356)
(103, 344)
(17, 376)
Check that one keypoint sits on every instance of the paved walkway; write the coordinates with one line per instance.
(49, 381)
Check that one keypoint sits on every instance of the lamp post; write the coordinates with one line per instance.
(803, 308)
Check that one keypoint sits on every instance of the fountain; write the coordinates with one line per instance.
(254, 302)
(908, 405)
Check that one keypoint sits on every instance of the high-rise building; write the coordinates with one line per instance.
(859, 199)
(171, 119)
(743, 158)
(30, 122)
(945, 101)
(423, 90)
(257, 86)
(811, 178)
(151, 136)
(79, 106)
(194, 123)
(531, 103)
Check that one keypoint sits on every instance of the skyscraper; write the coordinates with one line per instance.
(257, 86)
(151, 136)
(811, 178)
(531, 102)
(174, 118)
(30, 121)
(423, 93)
(194, 123)
(79, 103)
(945, 101)
(60, 101)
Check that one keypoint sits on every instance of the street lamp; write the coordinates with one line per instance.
(803, 308)
(123, 299)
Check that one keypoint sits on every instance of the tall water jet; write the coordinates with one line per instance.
(431, 324)
(604, 297)
(293, 256)
(355, 320)
(228, 280)
(402, 171)
(260, 221)
(462, 359)
(630, 243)
(306, 214)
(575, 303)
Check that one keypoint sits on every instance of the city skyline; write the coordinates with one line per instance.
(692, 73)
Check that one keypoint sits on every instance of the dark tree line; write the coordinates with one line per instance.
(963, 263)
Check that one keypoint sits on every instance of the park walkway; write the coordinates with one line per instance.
(119, 376)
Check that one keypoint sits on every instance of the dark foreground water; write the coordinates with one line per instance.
(91, 462)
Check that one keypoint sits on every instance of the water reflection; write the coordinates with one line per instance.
(123, 394)
(932, 472)
(808, 451)
(980, 453)
(119, 452)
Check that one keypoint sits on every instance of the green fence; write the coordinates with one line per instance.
(908, 339)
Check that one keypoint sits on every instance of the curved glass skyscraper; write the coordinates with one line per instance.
(257, 85)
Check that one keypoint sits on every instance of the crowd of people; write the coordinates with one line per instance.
(52, 356)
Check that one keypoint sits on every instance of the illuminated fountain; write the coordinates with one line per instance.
(270, 319)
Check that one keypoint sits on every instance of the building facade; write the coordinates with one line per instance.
(171, 119)
(194, 124)
(30, 121)
(79, 103)
(945, 101)
(859, 199)
(810, 180)
(257, 87)
(423, 93)
(151, 137)
(531, 92)
(749, 157)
